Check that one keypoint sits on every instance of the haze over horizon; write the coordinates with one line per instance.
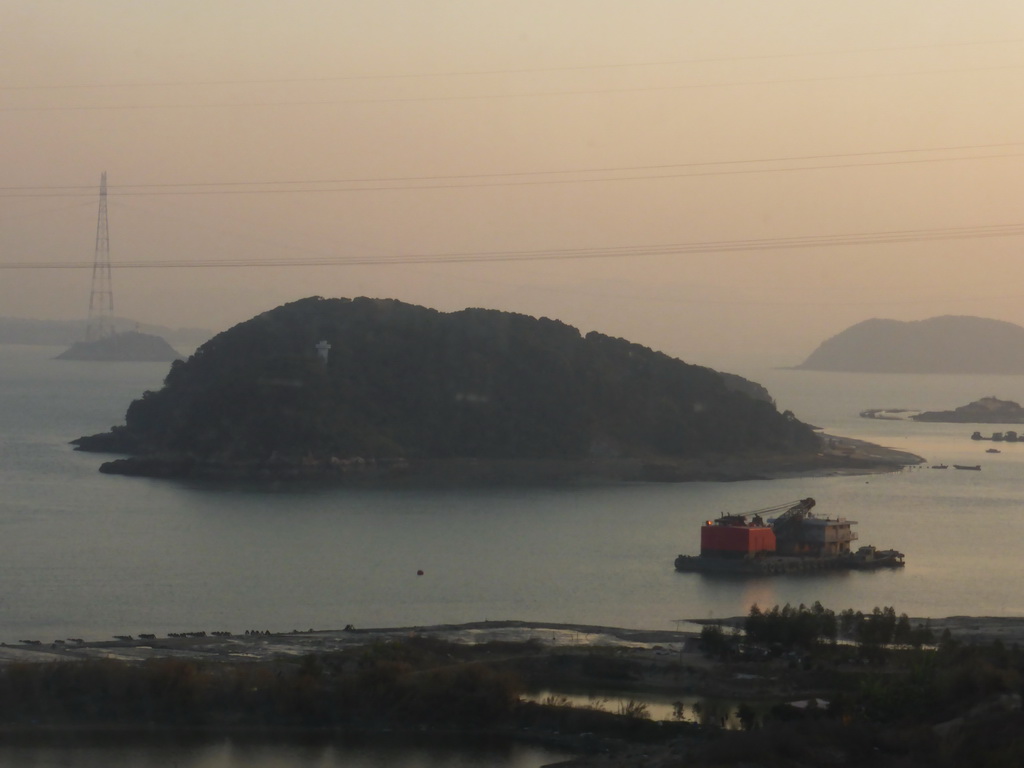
(717, 181)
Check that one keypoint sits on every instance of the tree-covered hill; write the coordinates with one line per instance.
(403, 381)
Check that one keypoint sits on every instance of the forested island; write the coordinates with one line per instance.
(375, 388)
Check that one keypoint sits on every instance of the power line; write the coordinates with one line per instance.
(488, 72)
(519, 95)
(565, 254)
(287, 187)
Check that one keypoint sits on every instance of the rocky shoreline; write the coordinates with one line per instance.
(838, 455)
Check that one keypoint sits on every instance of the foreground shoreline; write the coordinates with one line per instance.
(266, 646)
(508, 682)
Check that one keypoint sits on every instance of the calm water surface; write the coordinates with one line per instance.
(90, 555)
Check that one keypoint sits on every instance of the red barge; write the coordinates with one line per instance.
(794, 540)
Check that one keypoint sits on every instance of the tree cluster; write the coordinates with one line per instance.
(802, 627)
(893, 694)
(881, 627)
(790, 627)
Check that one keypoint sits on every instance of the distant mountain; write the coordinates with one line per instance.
(947, 344)
(400, 381)
(130, 347)
(63, 333)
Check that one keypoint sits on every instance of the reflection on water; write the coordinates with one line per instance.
(677, 707)
(760, 592)
(169, 752)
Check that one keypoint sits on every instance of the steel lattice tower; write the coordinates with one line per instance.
(101, 298)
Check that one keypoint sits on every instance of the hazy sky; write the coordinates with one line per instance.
(720, 180)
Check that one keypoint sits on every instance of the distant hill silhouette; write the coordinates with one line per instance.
(123, 348)
(403, 381)
(947, 344)
(62, 333)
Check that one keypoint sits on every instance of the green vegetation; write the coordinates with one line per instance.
(804, 627)
(406, 382)
(419, 685)
(884, 683)
(410, 683)
(816, 630)
(792, 628)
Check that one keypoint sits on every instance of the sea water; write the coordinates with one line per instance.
(86, 555)
(91, 555)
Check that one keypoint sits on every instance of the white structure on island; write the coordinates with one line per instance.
(322, 348)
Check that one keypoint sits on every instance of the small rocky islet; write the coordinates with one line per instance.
(986, 410)
(127, 347)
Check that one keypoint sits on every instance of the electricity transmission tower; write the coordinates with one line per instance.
(101, 298)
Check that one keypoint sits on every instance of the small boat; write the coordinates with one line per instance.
(867, 558)
(993, 450)
(976, 467)
(940, 466)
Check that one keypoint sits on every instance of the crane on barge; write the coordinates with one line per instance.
(794, 540)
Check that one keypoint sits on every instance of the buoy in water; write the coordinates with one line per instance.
(419, 573)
